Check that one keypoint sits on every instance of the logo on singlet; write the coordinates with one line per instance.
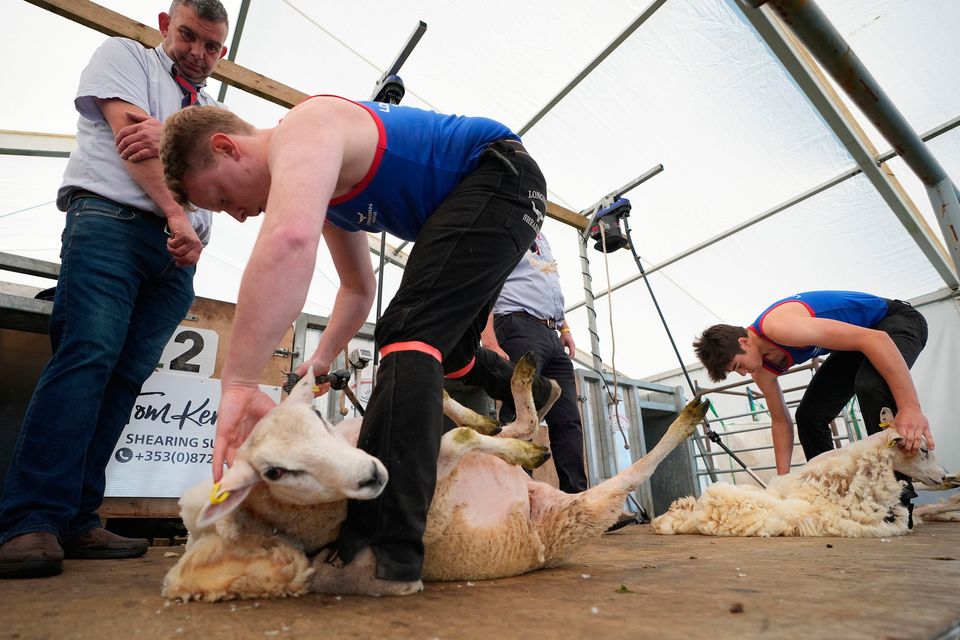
(368, 218)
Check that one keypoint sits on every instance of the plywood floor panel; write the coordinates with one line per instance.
(629, 584)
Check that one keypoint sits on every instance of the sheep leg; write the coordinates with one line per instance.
(564, 521)
(460, 441)
(464, 417)
(943, 506)
(524, 427)
(927, 510)
(942, 516)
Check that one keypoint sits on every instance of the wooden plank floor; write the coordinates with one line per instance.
(629, 584)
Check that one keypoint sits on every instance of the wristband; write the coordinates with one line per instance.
(565, 329)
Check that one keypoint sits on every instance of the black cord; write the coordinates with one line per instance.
(710, 433)
(656, 304)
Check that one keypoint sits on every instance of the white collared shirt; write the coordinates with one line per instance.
(124, 69)
(534, 285)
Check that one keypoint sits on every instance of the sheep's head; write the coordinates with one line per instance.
(921, 465)
(300, 457)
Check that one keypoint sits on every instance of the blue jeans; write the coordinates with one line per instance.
(119, 297)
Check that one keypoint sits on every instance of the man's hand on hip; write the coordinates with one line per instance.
(566, 339)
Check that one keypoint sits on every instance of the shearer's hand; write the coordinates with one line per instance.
(911, 424)
(320, 368)
(241, 407)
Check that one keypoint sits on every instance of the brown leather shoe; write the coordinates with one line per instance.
(100, 544)
(32, 555)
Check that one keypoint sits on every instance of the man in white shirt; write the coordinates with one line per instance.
(126, 281)
(528, 316)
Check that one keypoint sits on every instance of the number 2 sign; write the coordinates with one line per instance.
(191, 351)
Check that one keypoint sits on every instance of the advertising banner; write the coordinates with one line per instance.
(167, 447)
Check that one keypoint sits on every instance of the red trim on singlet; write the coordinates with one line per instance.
(412, 345)
(381, 148)
(459, 373)
(758, 329)
(770, 366)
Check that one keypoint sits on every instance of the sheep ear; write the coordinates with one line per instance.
(894, 439)
(229, 493)
(302, 392)
(886, 417)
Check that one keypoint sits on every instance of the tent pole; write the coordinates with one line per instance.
(825, 43)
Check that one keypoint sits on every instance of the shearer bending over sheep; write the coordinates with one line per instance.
(872, 343)
(850, 492)
(253, 534)
(463, 188)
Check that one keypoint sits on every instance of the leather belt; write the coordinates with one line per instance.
(149, 216)
(547, 322)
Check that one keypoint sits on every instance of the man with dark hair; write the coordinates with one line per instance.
(717, 346)
(472, 198)
(872, 342)
(126, 281)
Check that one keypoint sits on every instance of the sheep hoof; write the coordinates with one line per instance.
(528, 455)
(525, 369)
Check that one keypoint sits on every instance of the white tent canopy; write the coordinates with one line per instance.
(694, 88)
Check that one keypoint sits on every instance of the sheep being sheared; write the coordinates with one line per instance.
(850, 492)
(285, 497)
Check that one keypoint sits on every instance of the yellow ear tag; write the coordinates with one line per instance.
(316, 389)
(216, 497)
(890, 443)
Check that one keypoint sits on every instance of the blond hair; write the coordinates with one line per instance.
(185, 146)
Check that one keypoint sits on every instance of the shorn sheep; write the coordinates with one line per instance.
(285, 497)
(850, 492)
(944, 510)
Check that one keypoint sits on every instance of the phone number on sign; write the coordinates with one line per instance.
(174, 457)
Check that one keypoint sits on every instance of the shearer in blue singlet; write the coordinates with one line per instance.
(871, 343)
(471, 197)
(421, 157)
(859, 309)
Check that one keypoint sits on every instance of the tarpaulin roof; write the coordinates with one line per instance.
(694, 88)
